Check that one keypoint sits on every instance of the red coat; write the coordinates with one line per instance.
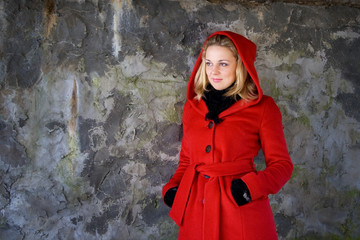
(213, 155)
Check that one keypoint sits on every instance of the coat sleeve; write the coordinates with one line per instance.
(278, 163)
(184, 159)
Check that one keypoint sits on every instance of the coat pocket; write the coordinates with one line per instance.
(228, 197)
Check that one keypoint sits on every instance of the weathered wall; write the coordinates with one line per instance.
(91, 96)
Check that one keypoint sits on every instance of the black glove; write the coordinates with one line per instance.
(170, 196)
(240, 192)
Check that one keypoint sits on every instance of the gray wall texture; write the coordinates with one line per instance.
(91, 97)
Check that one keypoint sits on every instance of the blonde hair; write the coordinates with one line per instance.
(244, 86)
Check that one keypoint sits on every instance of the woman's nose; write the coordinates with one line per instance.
(215, 70)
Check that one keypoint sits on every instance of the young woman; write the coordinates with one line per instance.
(216, 191)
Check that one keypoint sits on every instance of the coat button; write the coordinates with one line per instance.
(210, 125)
(208, 148)
(206, 176)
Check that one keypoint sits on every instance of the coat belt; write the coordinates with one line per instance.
(211, 220)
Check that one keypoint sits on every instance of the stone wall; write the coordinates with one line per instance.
(91, 96)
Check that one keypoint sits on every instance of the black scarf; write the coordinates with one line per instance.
(217, 102)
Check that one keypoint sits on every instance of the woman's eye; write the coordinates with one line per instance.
(208, 64)
(223, 64)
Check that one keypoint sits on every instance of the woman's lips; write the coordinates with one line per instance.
(216, 80)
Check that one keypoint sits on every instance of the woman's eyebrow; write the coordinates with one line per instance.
(221, 60)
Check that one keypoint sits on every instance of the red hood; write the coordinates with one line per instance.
(247, 52)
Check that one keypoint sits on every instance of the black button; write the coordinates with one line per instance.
(208, 148)
(210, 125)
(206, 176)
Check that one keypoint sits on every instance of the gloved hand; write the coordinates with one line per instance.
(240, 192)
(170, 196)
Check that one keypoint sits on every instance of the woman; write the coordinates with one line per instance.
(216, 191)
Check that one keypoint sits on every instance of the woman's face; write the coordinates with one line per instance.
(220, 67)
